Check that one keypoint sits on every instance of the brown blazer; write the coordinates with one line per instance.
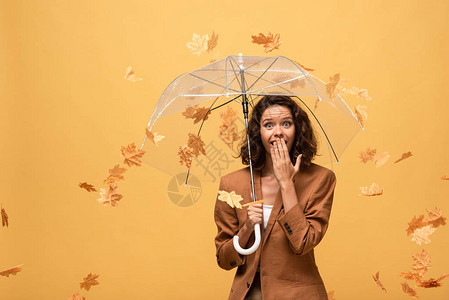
(286, 257)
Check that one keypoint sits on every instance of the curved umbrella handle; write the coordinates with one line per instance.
(253, 247)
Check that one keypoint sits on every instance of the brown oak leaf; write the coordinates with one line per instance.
(404, 156)
(185, 154)
(372, 190)
(435, 218)
(196, 144)
(212, 42)
(408, 290)
(89, 281)
(154, 137)
(360, 112)
(76, 296)
(421, 235)
(367, 155)
(109, 196)
(115, 174)
(4, 218)
(415, 224)
(430, 283)
(422, 262)
(132, 155)
(12, 271)
(332, 84)
(379, 284)
(87, 187)
(269, 42)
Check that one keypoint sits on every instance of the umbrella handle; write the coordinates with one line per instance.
(253, 247)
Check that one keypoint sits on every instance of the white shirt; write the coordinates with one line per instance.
(266, 214)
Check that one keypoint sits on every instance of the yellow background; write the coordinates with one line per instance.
(66, 110)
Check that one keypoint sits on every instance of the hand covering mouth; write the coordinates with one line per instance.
(272, 142)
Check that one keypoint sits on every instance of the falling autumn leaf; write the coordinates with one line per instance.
(4, 218)
(228, 129)
(109, 196)
(154, 137)
(87, 187)
(330, 295)
(444, 178)
(198, 44)
(360, 93)
(421, 235)
(404, 156)
(303, 67)
(196, 144)
(430, 283)
(410, 276)
(89, 281)
(373, 190)
(367, 155)
(292, 82)
(435, 218)
(189, 111)
(360, 112)
(269, 42)
(132, 155)
(231, 198)
(408, 290)
(212, 42)
(415, 224)
(332, 84)
(115, 174)
(422, 262)
(76, 296)
(380, 160)
(185, 156)
(12, 271)
(129, 75)
(379, 284)
(201, 113)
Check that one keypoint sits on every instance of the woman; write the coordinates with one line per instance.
(297, 198)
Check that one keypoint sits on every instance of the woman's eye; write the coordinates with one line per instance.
(268, 125)
(287, 124)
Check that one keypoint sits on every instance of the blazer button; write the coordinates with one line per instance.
(286, 225)
(290, 232)
(233, 263)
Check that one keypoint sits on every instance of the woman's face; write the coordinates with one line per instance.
(277, 122)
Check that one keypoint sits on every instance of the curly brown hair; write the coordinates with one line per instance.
(305, 142)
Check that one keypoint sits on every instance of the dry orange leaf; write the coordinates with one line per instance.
(185, 156)
(115, 174)
(360, 93)
(304, 67)
(379, 284)
(373, 190)
(196, 144)
(130, 75)
(421, 235)
(269, 42)
(422, 262)
(200, 114)
(12, 271)
(367, 155)
(415, 224)
(89, 281)
(404, 156)
(154, 137)
(430, 283)
(444, 178)
(231, 198)
(189, 111)
(212, 42)
(76, 296)
(4, 218)
(408, 290)
(330, 295)
(109, 196)
(410, 276)
(198, 44)
(332, 84)
(360, 112)
(132, 155)
(87, 187)
(435, 218)
(228, 130)
(380, 160)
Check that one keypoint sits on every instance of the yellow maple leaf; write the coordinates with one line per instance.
(415, 224)
(89, 281)
(408, 290)
(185, 154)
(367, 155)
(358, 92)
(109, 196)
(422, 262)
(269, 41)
(404, 156)
(4, 218)
(372, 190)
(212, 42)
(198, 44)
(196, 144)
(380, 160)
(129, 75)
(154, 137)
(231, 198)
(360, 112)
(379, 284)
(11, 271)
(87, 187)
(132, 155)
(115, 174)
(421, 235)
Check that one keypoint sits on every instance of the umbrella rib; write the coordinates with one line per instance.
(266, 70)
(274, 84)
(210, 81)
(235, 73)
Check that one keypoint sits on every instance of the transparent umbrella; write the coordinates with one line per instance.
(203, 115)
